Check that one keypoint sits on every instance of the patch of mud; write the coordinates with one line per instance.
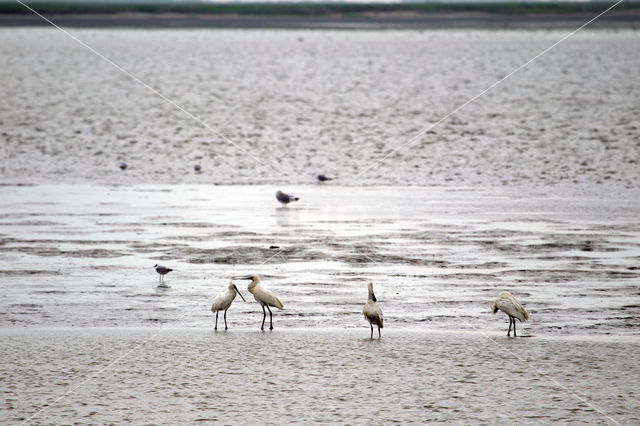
(53, 252)
(21, 273)
(31, 223)
(247, 255)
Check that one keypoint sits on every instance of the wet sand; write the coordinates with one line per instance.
(309, 102)
(315, 376)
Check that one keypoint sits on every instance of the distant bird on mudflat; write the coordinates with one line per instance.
(285, 198)
(264, 297)
(223, 301)
(162, 271)
(123, 166)
(508, 304)
(323, 178)
(197, 168)
(372, 311)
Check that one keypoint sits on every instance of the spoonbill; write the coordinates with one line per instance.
(223, 301)
(372, 311)
(264, 297)
(510, 306)
(162, 271)
(285, 198)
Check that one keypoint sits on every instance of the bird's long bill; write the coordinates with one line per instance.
(240, 294)
(244, 277)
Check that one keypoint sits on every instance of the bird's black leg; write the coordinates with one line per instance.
(270, 318)
(371, 325)
(514, 327)
(264, 317)
(379, 336)
(509, 332)
(216, 327)
(225, 320)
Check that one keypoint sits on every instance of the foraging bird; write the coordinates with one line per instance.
(323, 178)
(372, 312)
(510, 306)
(197, 168)
(222, 302)
(285, 198)
(162, 271)
(264, 297)
(123, 166)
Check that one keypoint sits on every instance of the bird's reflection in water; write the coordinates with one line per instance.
(161, 288)
(285, 216)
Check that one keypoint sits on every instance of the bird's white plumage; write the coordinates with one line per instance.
(262, 295)
(372, 311)
(224, 299)
(508, 304)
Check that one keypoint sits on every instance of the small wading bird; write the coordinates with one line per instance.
(162, 271)
(222, 302)
(508, 304)
(123, 166)
(263, 296)
(372, 312)
(323, 178)
(285, 198)
(197, 168)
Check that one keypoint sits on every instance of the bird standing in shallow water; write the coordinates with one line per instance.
(162, 271)
(285, 198)
(264, 297)
(372, 312)
(508, 304)
(223, 301)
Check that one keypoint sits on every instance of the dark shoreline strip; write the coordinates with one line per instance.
(321, 15)
(314, 9)
(420, 21)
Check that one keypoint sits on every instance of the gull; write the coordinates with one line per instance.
(285, 198)
(223, 301)
(323, 178)
(372, 312)
(508, 304)
(162, 271)
(264, 297)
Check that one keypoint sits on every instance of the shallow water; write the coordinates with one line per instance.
(336, 102)
(321, 376)
(83, 255)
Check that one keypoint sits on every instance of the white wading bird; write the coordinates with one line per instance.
(372, 312)
(508, 304)
(285, 198)
(162, 271)
(223, 301)
(264, 297)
